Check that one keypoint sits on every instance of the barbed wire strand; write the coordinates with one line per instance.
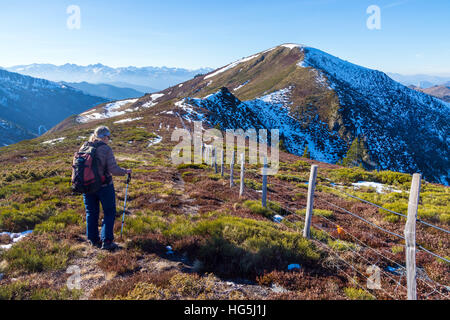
(380, 207)
(368, 202)
(365, 201)
(378, 227)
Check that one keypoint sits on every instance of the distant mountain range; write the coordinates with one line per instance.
(144, 79)
(106, 91)
(30, 106)
(420, 80)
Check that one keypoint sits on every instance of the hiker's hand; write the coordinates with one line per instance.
(129, 171)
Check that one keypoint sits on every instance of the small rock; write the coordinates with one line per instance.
(278, 289)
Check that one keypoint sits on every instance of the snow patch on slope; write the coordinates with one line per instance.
(108, 111)
(128, 120)
(379, 187)
(155, 140)
(240, 86)
(231, 65)
(54, 141)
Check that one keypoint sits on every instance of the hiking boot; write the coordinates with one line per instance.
(96, 244)
(109, 245)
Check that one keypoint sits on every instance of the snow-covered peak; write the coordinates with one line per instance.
(292, 45)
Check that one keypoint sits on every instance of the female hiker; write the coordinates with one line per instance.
(107, 167)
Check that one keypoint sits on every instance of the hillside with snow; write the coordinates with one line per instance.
(325, 103)
(31, 106)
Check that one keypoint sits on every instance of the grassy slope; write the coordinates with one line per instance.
(210, 228)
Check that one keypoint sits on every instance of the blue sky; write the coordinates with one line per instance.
(191, 33)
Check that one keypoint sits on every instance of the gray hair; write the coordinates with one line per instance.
(100, 133)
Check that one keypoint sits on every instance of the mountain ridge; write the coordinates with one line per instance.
(353, 101)
(107, 91)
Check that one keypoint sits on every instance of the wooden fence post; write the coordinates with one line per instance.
(222, 165)
(264, 185)
(241, 189)
(211, 159)
(203, 153)
(232, 170)
(410, 237)
(215, 160)
(309, 206)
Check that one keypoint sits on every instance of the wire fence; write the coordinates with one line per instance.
(388, 210)
(423, 277)
(378, 227)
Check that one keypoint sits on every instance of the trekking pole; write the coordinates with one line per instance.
(125, 205)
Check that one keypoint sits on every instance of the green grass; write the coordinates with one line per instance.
(317, 212)
(350, 175)
(22, 217)
(59, 222)
(358, 294)
(37, 255)
(340, 245)
(23, 290)
(257, 208)
(252, 184)
(126, 134)
(145, 223)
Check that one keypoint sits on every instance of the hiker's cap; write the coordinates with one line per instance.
(102, 132)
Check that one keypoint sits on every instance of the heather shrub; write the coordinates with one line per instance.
(37, 255)
(358, 294)
(239, 246)
(120, 263)
(23, 290)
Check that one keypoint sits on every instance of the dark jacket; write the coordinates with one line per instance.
(107, 165)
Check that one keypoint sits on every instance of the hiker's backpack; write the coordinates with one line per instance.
(85, 176)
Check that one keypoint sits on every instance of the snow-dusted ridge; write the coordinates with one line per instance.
(231, 65)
